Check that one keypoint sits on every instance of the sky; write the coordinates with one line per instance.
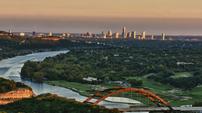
(154, 16)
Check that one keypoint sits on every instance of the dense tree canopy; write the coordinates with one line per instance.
(163, 59)
(48, 103)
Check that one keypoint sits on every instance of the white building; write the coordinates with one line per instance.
(134, 34)
(163, 36)
(22, 34)
(143, 35)
(103, 35)
(50, 34)
(152, 37)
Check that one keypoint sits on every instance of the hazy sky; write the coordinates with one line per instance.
(103, 8)
(96, 15)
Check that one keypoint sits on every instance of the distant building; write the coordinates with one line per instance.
(103, 35)
(109, 34)
(10, 31)
(152, 37)
(143, 35)
(124, 32)
(116, 35)
(50, 34)
(129, 35)
(88, 35)
(134, 35)
(139, 37)
(40, 35)
(22, 34)
(64, 34)
(163, 36)
(33, 33)
(51, 38)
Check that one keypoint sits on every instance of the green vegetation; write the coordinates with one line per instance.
(15, 46)
(171, 69)
(48, 103)
(83, 89)
(8, 85)
(114, 64)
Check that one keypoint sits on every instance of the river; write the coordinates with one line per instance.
(11, 68)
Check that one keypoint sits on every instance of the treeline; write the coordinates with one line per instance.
(20, 46)
(186, 83)
(48, 103)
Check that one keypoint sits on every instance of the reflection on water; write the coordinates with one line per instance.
(3, 70)
(10, 69)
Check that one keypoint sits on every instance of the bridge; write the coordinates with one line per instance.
(152, 97)
(159, 103)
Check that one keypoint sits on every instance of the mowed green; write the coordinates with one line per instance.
(83, 89)
(182, 75)
(165, 91)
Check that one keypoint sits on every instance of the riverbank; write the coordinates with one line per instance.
(82, 89)
(165, 91)
(15, 64)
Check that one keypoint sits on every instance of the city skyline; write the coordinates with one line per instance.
(174, 17)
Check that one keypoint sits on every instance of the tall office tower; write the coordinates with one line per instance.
(10, 31)
(109, 34)
(116, 35)
(139, 37)
(143, 35)
(134, 35)
(124, 32)
(163, 36)
(33, 33)
(129, 35)
(152, 37)
(50, 34)
(103, 35)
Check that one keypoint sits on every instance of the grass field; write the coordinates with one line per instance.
(182, 75)
(175, 96)
(83, 89)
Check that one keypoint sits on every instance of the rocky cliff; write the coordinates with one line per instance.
(15, 95)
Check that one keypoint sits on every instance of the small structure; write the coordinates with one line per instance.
(90, 79)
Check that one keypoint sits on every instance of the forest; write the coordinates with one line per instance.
(156, 60)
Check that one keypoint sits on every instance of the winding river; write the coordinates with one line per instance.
(11, 68)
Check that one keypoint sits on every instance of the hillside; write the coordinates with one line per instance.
(8, 85)
(48, 103)
(11, 91)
